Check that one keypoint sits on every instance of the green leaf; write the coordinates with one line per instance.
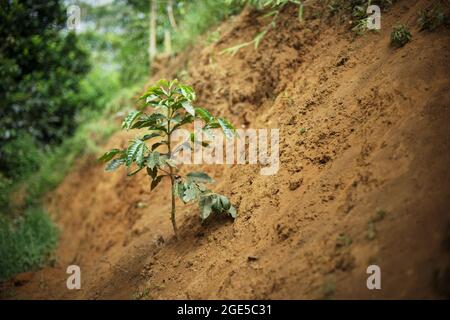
(114, 164)
(136, 152)
(154, 160)
(187, 119)
(199, 177)
(187, 92)
(134, 172)
(173, 83)
(224, 201)
(155, 182)
(191, 192)
(126, 124)
(156, 145)
(205, 206)
(153, 90)
(152, 172)
(152, 99)
(148, 121)
(150, 136)
(179, 190)
(227, 128)
(212, 125)
(216, 204)
(232, 212)
(109, 155)
(159, 127)
(204, 114)
(177, 119)
(188, 107)
(163, 83)
(140, 154)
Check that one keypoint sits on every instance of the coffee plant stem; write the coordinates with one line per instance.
(172, 179)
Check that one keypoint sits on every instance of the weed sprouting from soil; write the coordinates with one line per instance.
(435, 16)
(400, 36)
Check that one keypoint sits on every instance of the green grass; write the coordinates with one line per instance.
(198, 17)
(26, 243)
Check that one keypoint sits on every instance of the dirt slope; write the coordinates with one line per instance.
(364, 177)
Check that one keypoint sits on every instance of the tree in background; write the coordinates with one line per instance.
(152, 39)
(127, 25)
(41, 66)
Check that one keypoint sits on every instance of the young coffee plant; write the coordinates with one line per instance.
(400, 36)
(171, 105)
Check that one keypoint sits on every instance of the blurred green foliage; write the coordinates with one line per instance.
(27, 243)
(197, 17)
(40, 68)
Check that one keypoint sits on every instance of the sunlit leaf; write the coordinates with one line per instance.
(227, 127)
(187, 92)
(136, 152)
(188, 107)
(203, 114)
(148, 121)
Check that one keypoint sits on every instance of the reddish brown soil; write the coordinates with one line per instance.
(364, 128)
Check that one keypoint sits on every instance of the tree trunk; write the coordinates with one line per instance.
(167, 43)
(173, 23)
(152, 39)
